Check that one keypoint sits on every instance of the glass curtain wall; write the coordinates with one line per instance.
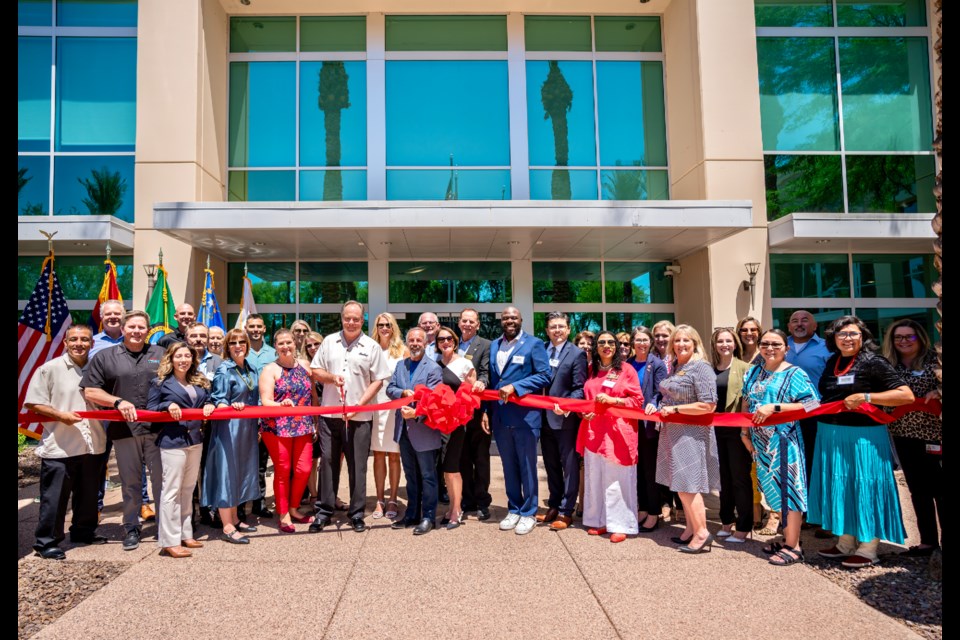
(80, 277)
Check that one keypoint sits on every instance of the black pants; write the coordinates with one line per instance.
(649, 493)
(353, 439)
(59, 477)
(562, 463)
(808, 429)
(924, 475)
(736, 491)
(264, 458)
(475, 466)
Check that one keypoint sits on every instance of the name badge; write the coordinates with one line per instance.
(517, 360)
(845, 379)
(554, 362)
(810, 404)
(934, 448)
(469, 357)
(916, 374)
(610, 384)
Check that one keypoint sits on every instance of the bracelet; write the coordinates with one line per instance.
(866, 398)
(744, 433)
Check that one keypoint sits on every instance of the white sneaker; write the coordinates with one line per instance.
(510, 522)
(525, 525)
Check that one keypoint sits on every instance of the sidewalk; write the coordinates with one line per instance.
(472, 582)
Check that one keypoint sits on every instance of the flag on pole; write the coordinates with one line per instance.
(247, 305)
(209, 309)
(108, 291)
(160, 308)
(40, 333)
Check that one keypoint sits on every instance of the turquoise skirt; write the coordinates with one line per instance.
(852, 488)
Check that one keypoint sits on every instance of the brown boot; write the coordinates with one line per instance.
(561, 523)
(175, 552)
(147, 513)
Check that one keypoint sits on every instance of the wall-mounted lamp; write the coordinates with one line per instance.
(151, 270)
(753, 268)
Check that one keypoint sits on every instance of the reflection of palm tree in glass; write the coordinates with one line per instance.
(105, 191)
(557, 98)
(22, 179)
(625, 185)
(334, 97)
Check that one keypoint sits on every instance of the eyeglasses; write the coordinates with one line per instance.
(301, 331)
(910, 338)
(311, 345)
(606, 343)
(445, 339)
(852, 335)
(234, 343)
(383, 325)
(750, 330)
(771, 345)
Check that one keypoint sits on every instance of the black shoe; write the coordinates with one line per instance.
(94, 539)
(444, 521)
(679, 540)
(403, 524)
(319, 523)
(643, 529)
(52, 553)
(426, 525)
(235, 537)
(483, 514)
(917, 552)
(358, 525)
(206, 518)
(444, 498)
(260, 509)
(243, 527)
(132, 540)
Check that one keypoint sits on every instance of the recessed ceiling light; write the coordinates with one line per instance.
(513, 242)
(824, 241)
(259, 244)
(360, 244)
(386, 243)
(79, 244)
(539, 242)
(639, 243)
(415, 270)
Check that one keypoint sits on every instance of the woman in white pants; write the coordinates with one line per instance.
(178, 385)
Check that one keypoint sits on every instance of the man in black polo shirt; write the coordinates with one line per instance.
(119, 377)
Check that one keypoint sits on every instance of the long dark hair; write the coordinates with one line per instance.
(617, 356)
(922, 354)
(867, 342)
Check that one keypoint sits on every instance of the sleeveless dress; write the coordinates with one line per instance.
(381, 439)
(294, 383)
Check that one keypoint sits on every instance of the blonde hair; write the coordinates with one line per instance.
(193, 376)
(396, 347)
(698, 351)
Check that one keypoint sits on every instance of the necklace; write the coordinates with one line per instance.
(247, 381)
(606, 367)
(836, 366)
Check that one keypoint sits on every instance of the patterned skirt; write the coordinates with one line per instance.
(770, 443)
(687, 459)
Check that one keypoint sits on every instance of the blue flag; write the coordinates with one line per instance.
(209, 309)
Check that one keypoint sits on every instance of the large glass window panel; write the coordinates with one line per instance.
(33, 94)
(893, 276)
(560, 129)
(97, 13)
(263, 113)
(627, 33)
(879, 320)
(261, 186)
(819, 275)
(557, 33)
(333, 33)
(438, 111)
(634, 184)
(886, 94)
(96, 94)
(579, 321)
(563, 184)
(793, 13)
(327, 323)
(630, 113)
(489, 323)
(446, 33)
(802, 183)
(891, 184)
(637, 282)
(34, 13)
(249, 34)
(80, 276)
(33, 191)
(798, 94)
(627, 322)
(94, 185)
(824, 316)
(450, 282)
(566, 282)
(333, 282)
(333, 185)
(886, 13)
(273, 282)
(333, 114)
(273, 322)
(444, 184)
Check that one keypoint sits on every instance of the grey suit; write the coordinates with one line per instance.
(475, 455)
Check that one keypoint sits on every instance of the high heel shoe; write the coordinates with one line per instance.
(643, 529)
(679, 540)
(704, 548)
(286, 528)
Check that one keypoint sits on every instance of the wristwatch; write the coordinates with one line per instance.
(776, 408)
(116, 405)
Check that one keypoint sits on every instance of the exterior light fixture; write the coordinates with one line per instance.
(753, 268)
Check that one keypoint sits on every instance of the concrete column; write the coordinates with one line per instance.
(522, 274)
(378, 283)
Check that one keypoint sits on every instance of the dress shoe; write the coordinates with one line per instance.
(483, 514)
(403, 524)
(358, 525)
(131, 541)
(319, 523)
(706, 547)
(262, 512)
(52, 553)
(147, 513)
(191, 544)
(679, 540)
(549, 516)
(596, 531)
(917, 552)
(175, 552)
(94, 539)
(561, 523)
(426, 526)
(243, 527)
(643, 529)
(235, 537)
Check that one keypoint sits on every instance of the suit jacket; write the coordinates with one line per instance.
(528, 370)
(429, 373)
(738, 371)
(654, 373)
(176, 435)
(568, 378)
(479, 354)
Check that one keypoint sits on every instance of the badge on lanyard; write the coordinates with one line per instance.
(554, 362)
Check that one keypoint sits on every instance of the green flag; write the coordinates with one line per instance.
(160, 309)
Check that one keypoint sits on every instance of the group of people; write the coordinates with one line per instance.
(620, 472)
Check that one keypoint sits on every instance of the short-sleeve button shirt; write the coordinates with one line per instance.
(360, 363)
(125, 374)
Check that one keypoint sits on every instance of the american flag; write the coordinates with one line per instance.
(40, 333)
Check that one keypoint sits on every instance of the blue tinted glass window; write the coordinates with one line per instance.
(96, 94)
(33, 193)
(333, 114)
(560, 113)
(333, 185)
(637, 283)
(563, 184)
(262, 186)
(272, 282)
(439, 110)
(444, 184)
(630, 113)
(634, 184)
(262, 114)
(97, 13)
(33, 94)
(94, 185)
(34, 13)
(794, 275)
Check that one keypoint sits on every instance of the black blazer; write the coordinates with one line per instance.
(569, 376)
(479, 355)
(176, 435)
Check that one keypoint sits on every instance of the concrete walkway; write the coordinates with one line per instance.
(473, 582)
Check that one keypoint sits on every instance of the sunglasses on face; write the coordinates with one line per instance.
(301, 331)
(235, 343)
(445, 339)
(771, 345)
(312, 345)
(606, 343)
(383, 325)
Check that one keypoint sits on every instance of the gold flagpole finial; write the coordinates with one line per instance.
(49, 237)
(208, 261)
(109, 251)
(244, 269)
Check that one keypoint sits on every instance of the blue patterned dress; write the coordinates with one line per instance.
(781, 465)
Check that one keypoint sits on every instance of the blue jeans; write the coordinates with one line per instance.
(420, 469)
(518, 453)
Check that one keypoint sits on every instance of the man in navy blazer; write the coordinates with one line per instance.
(419, 444)
(518, 366)
(558, 441)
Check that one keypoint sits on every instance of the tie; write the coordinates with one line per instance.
(553, 353)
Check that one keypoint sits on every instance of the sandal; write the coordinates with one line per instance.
(772, 527)
(391, 510)
(786, 556)
(378, 512)
(772, 548)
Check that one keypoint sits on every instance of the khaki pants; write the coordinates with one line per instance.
(180, 470)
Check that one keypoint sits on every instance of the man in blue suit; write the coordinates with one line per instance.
(568, 364)
(518, 366)
(419, 444)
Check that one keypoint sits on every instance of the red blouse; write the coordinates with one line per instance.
(612, 437)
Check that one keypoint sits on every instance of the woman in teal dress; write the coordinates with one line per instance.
(230, 477)
(770, 388)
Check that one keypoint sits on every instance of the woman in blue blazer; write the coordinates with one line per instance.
(651, 370)
(178, 385)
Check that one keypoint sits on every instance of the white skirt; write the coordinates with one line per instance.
(381, 437)
(609, 495)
